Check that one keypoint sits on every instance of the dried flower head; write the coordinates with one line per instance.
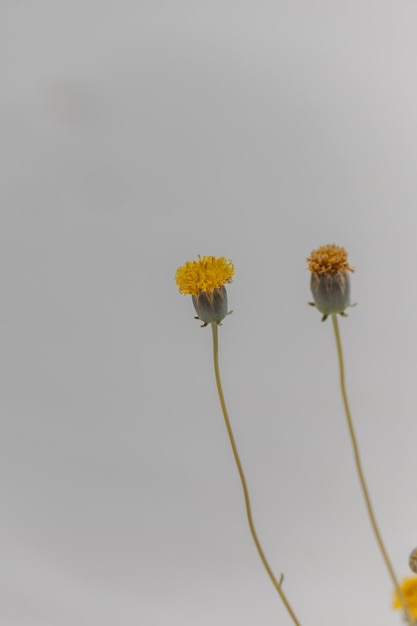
(409, 590)
(330, 284)
(205, 281)
(329, 260)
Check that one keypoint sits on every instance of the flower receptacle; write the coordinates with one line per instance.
(211, 306)
(331, 292)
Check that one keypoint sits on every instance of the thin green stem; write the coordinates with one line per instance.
(361, 475)
(271, 575)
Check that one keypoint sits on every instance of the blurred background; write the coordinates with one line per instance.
(134, 136)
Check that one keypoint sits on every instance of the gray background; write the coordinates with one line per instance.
(135, 135)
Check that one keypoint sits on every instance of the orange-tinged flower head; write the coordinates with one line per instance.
(329, 260)
(330, 284)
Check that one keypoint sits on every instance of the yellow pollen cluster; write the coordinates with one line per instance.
(409, 589)
(329, 260)
(206, 274)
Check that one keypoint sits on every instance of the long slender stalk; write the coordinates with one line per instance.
(361, 475)
(277, 585)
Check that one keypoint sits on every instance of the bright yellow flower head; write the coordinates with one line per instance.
(205, 281)
(409, 589)
(329, 260)
(206, 274)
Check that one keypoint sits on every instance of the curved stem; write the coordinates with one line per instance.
(276, 584)
(361, 475)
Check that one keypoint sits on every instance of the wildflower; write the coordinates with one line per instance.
(409, 591)
(204, 280)
(330, 286)
(330, 283)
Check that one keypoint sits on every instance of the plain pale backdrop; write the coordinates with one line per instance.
(134, 136)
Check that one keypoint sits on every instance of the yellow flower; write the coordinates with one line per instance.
(205, 281)
(206, 274)
(330, 283)
(409, 589)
